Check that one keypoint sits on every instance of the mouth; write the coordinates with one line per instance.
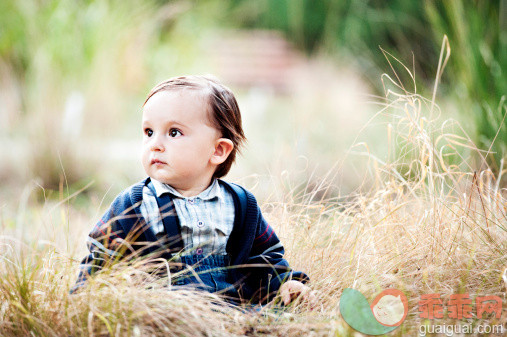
(157, 162)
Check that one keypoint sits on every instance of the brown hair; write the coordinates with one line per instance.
(223, 110)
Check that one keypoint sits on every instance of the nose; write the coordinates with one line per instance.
(157, 145)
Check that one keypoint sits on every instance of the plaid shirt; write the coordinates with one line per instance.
(206, 220)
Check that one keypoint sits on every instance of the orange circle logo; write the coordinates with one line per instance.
(390, 307)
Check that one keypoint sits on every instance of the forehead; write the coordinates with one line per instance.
(189, 105)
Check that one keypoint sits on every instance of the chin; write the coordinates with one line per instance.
(162, 179)
(157, 176)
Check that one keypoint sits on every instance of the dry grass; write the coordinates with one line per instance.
(427, 223)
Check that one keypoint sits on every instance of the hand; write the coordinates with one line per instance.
(292, 290)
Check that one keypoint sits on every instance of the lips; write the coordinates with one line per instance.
(157, 161)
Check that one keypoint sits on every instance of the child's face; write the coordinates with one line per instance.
(179, 141)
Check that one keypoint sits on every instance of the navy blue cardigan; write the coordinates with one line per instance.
(253, 247)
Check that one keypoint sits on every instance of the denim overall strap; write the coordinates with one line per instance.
(173, 240)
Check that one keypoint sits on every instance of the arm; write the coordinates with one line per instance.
(269, 269)
(103, 243)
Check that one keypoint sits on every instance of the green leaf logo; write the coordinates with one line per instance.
(385, 314)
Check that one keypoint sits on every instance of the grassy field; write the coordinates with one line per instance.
(417, 202)
(423, 221)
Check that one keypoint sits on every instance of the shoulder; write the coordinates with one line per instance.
(131, 196)
(245, 202)
(238, 191)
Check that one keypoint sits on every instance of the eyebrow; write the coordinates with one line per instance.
(170, 122)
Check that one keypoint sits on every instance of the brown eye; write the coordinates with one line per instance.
(148, 132)
(175, 133)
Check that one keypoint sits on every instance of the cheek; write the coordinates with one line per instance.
(145, 155)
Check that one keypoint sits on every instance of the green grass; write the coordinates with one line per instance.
(411, 31)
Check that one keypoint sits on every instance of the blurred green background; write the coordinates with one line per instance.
(307, 75)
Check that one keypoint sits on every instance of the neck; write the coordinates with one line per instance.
(194, 189)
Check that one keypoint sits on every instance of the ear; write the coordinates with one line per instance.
(223, 148)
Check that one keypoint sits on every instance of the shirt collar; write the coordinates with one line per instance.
(209, 193)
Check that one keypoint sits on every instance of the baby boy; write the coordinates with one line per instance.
(184, 212)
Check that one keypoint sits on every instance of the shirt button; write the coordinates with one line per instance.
(200, 224)
(191, 201)
(198, 251)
